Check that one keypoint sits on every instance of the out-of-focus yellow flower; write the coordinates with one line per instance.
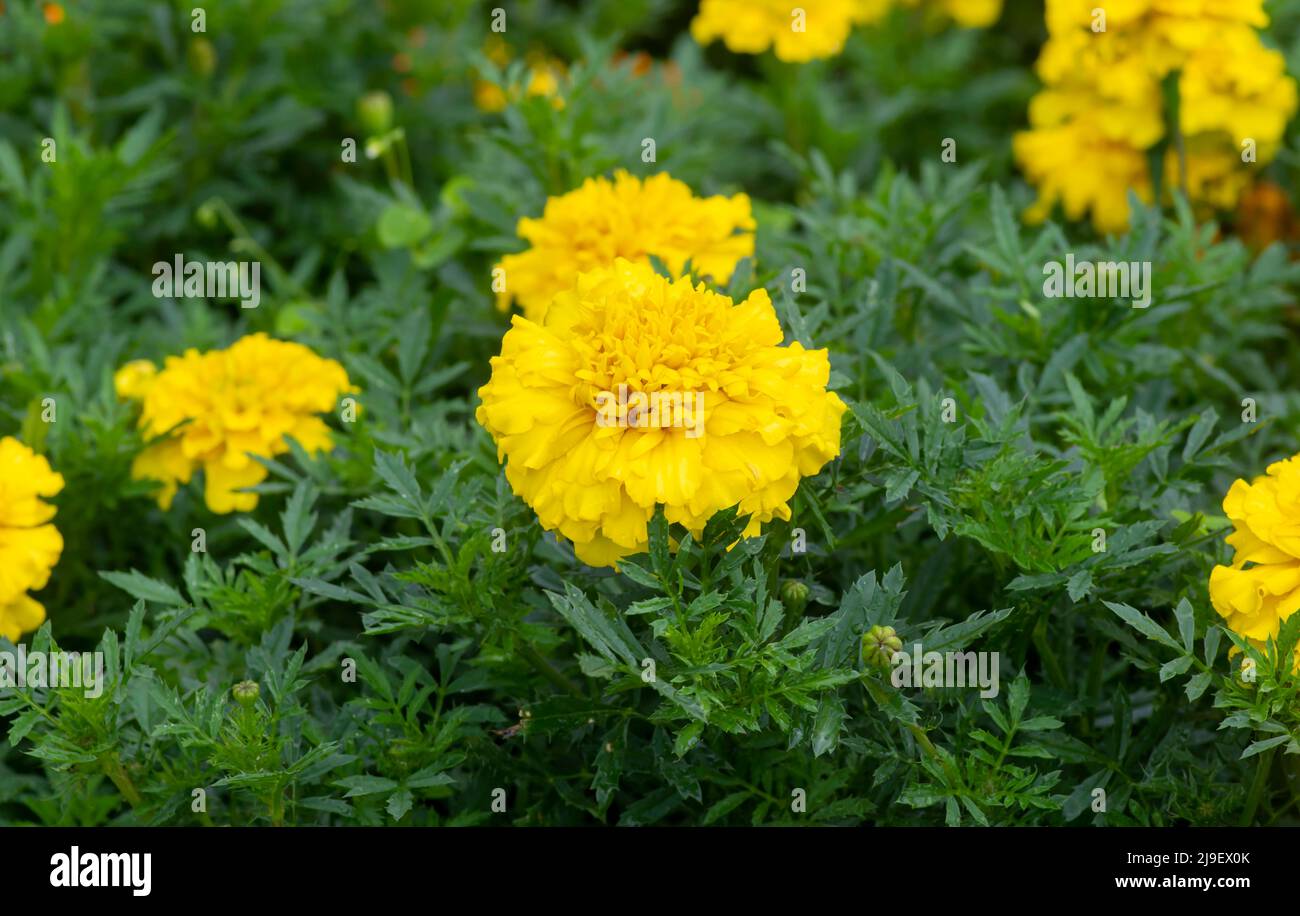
(625, 218)
(216, 408)
(1261, 588)
(813, 29)
(54, 15)
(1214, 178)
(29, 544)
(1235, 86)
(1049, 156)
(796, 32)
(1109, 73)
(635, 391)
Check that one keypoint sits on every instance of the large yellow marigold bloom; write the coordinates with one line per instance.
(220, 406)
(1262, 586)
(29, 544)
(795, 31)
(627, 218)
(595, 473)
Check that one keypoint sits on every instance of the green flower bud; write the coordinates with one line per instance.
(206, 214)
(202, 56)
(375, 109)
(794, 595)
(879, 645)
(246, 692)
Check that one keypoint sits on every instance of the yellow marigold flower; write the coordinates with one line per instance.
(1104, 78)
(1215, 177)
(1050, 157)
(1107, 70)
(216, 408)
(796, 32)
(1236, 86)
(1189, 24)
(636, 390)
(29, 544)
(625, 218)
(1262, 586)
(1185, 23)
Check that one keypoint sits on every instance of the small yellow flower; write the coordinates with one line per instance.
(29, 544)
(625, 218)
(216, 408)
(545, 74)
(596, 475)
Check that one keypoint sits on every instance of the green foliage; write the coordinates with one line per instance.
(1036, 477)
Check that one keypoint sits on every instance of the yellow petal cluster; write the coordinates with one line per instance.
(624, 218)
(813, 29)
(29, 544)
(768, 419)
(213, 409)
(1262, 586)
(1102, 108)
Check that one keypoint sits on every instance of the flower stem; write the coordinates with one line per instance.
(113, 768)
(546, 669)
(1262, 770)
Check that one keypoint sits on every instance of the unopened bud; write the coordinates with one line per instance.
(246, 692)
(794, 595)
(375, 109)
(879, 645)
